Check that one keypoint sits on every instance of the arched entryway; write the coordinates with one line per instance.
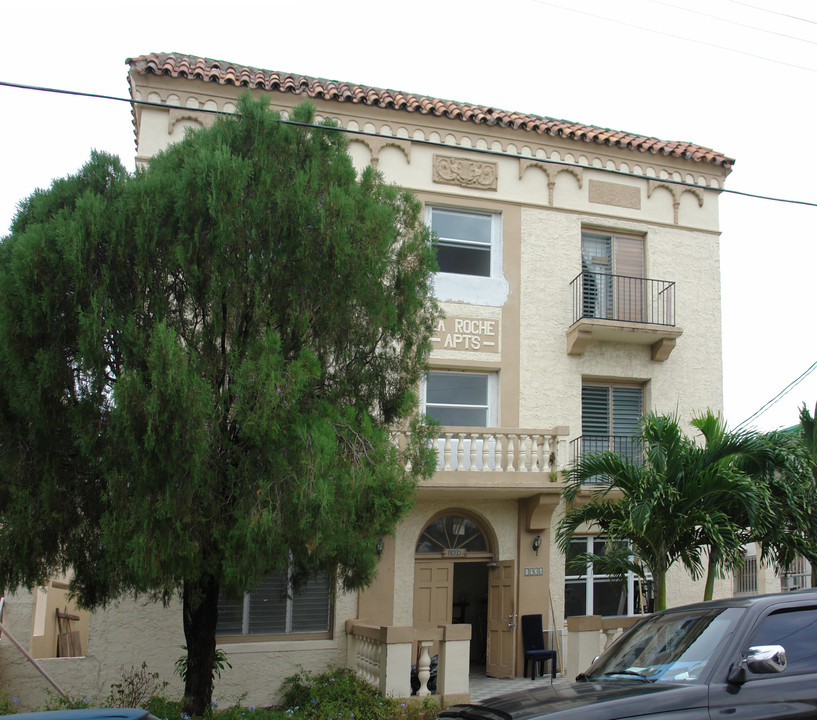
(457, 579)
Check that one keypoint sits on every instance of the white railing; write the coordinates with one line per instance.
(383, 656)
(745, 581)
(499, 449)
(796, 576)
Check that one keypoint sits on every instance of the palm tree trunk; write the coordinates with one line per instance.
(711, 572)
(659, 579)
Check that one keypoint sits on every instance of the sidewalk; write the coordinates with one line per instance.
(483, 687)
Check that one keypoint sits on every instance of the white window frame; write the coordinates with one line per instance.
(589, 577)
(492, 399)
(491, 417)
(477, 289)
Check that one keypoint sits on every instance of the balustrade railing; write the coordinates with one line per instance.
(499, 449)
(383, 656)
(623, 298)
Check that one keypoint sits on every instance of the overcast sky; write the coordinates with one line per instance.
(738, 77)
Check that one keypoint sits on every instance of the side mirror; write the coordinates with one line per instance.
(760, 660)
(766, 659)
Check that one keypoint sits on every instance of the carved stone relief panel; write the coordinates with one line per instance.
(448, 170)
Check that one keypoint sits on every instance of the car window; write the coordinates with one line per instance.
(668, 647)
(796, 630)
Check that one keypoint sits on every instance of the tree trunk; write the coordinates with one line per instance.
(200, 611)
(711, 573)
(660, 584)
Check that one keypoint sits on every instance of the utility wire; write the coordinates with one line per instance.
(773, 12)
(433, 143)
(675, 37)
(779, 396)
(732, 22)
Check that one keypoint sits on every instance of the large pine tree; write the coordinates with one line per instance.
(200, 368)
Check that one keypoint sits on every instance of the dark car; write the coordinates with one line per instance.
(752, 657)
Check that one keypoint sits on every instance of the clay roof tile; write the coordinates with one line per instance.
(191, 67)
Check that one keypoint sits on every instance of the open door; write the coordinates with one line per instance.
(433, 587)
(501, 650)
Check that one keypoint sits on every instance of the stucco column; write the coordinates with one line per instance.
(584, 632)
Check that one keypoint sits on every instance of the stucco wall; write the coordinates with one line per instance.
(130, 632)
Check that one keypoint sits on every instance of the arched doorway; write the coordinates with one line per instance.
(458, 580)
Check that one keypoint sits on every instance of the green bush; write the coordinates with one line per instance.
(136, 688)
(339, 694)
(67, 702)
(8, 704)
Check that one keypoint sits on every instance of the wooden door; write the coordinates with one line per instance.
(433, 588)
(501, 650)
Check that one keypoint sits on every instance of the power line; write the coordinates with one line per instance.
(732, 22)
(779, 396)
(433, 143)
(675, 37)
(773, 12)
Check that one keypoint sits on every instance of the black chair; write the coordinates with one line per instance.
(533, 642)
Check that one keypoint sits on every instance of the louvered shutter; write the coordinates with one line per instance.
(628, 407)
(268, 605)
(310, 607)
(629, 271)
(595, 419)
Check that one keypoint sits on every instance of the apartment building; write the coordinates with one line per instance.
(579, 278)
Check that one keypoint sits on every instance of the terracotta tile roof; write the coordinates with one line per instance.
(225, 73)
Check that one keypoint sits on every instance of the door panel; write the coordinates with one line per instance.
(501, 650)
(433, 585)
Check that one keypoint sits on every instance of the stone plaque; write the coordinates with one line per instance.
(466, 333)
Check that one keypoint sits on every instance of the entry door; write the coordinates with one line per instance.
(433, 587)
(501, 650)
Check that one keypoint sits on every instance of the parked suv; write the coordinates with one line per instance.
(750, 657)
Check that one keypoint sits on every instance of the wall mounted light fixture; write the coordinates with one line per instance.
(537, 543)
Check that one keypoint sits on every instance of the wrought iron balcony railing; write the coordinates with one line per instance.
(628, 446)
(622, 298)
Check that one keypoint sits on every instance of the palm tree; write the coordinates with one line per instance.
(677, 501)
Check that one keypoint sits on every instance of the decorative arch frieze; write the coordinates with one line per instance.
(551, 172)
(376, 145)
(203, 119)
(676, 191)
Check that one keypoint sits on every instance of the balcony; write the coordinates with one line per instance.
(628, 446)
(619, 308)
(496, 462)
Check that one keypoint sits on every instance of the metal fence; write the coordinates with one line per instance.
(623, 298)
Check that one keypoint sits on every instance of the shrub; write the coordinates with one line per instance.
(66, 702)
(135, 688)
(8, 705)
(339, 694)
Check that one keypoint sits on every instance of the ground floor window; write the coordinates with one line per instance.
(274, 608)
(595, 593)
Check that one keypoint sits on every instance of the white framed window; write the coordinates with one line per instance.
(273, 608)
(595, 593)
(462, 399)
(455, 398)
(469, 255)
